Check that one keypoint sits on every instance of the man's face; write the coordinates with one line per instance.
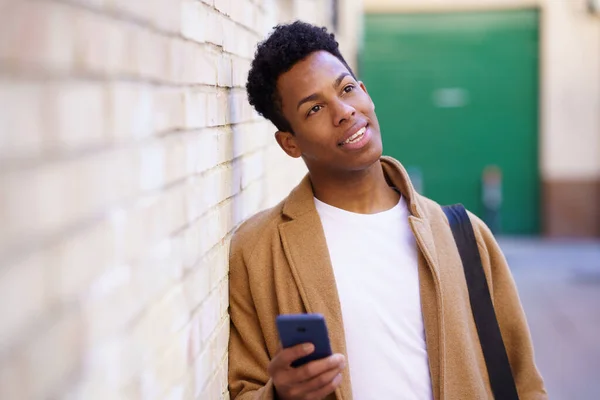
(331, 114)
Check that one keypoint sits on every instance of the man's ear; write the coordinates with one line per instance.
(287, 141)
(362, 86)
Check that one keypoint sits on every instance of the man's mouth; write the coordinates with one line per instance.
(356, 137)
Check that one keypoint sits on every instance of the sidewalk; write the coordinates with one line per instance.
(559, 285)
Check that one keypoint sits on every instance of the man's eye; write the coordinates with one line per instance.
(349, 88)
(314, 110)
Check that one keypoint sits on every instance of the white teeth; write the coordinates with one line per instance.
(356, 136)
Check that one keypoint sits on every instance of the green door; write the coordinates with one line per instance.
(455, 93)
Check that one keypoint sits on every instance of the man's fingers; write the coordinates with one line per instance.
(291, 354)
(329, 388)
(315, 379)
(318, 367)
(320, 381)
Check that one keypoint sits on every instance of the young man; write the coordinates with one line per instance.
(354, 242)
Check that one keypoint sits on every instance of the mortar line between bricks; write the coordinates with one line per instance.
(178, 380)
(78, 372)
(39, 325)
(44, 75)
(207, 255)
(223, 358)
(53, 157)
(124, 16)
(135, 319)
(192, 222)
(127, 327)
(244, 27)
(182, 378)
(20, 252)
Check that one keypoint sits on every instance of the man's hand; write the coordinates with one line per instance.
(312, 381)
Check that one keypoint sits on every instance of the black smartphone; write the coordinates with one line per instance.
(296, 329)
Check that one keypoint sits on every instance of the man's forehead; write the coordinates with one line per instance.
(317, 69)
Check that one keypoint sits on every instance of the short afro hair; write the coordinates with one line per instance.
(286, 45)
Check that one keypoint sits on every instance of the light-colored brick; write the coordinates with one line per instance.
(251, 136)
(160, 324)
(149, 55)
(71, 281)
(32, 210)
(200, 147)
(25, 284)
(176, 166)
(44, 42)
(79, 109)
(224, 72)
(262, 24)
(195, 109)
(54, 355)
(13, 379)
(219, 28)
(194, 20)
(203, 370)
(225, 182)
(132, 110)
(225, 6)
(240, 69)
(211, 269)
(114, 300)
(152, 166)
(167, 369)
(218, 113)
(199, 64)
(170, 109)
(99, 43)
(161, 14)
(106, 368)
(241, 110)
(243, 13)
(253, 168)
(21, 120)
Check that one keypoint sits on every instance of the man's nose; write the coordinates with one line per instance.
(343, 112)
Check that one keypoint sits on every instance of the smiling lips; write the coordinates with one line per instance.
(356, 137)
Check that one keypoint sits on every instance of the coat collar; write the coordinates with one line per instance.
(300, 200)
(306, 249)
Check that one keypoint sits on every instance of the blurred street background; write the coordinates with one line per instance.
(559, 285)
(129, 154)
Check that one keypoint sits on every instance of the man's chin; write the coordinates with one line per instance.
(365, 161)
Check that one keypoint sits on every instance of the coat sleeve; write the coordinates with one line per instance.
(510, 315)
(248, 356)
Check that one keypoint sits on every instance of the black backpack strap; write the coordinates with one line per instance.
(501, 378)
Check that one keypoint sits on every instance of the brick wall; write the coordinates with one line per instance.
(128, 155)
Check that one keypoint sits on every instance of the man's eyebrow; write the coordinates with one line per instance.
(340, 79)
(312, 97)
(315, 96)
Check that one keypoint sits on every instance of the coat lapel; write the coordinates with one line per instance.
(306, 249)
(431, 300)
(429, 273)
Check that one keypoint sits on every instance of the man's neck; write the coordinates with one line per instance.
(364, 192)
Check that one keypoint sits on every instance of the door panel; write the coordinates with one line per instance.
(455, 93)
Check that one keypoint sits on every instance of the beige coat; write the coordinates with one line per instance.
(279, 263)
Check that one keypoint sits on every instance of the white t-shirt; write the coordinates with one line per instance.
(374, 260)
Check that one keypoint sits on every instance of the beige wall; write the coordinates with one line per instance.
(349, 28)
(128, 155)
(570, 78)
(571, 91)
